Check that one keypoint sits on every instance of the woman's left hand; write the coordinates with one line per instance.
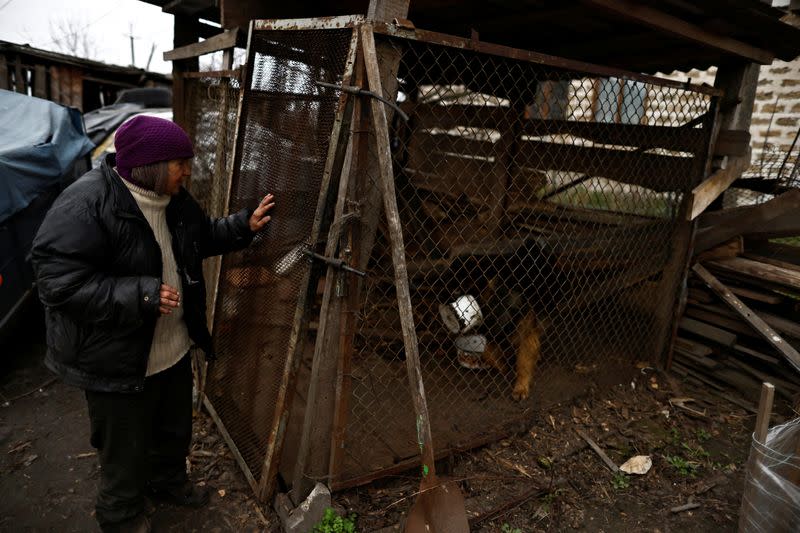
(259, 218)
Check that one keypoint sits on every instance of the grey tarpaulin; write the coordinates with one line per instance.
(771, 497)
(39, 141)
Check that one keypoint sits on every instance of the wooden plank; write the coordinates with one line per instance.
(771, 261)
(315, 442)
(381, 129)
(359, 138)
(774, 250)
(707, 331)
(716, 184)
(754, 353)
(726, 250)
(447, 117)
(661, 173)
(758, 271)
(19, 77)
(426, 144)
(720, 321)
(781, 324)
(764, 412)
(679, 139)
(663, 22)
(40, 82)
(3, 73)
(759, 296)
(693, 347)
(749, 316)
(732, 143)
(720, 226)
(227, 39)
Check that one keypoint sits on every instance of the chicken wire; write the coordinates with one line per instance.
(211, 107)
(285, 128)
(551, 200)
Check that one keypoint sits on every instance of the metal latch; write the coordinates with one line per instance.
(336, 263)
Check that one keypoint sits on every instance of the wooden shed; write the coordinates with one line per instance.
(539, 170)
(69, 80)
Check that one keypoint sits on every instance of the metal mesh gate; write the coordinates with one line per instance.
(285, 132)
(211, 109)
(544, 224)
(543, 205)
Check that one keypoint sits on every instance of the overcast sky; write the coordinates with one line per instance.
(106, 22)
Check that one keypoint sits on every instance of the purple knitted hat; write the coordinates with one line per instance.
(144, 140)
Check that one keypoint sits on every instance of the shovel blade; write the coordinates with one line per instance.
(439, 508)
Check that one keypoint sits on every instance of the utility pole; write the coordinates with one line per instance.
(149, 59)
(131, 36)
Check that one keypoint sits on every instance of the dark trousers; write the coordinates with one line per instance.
(142, 440)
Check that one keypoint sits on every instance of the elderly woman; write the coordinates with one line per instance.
(118, 261)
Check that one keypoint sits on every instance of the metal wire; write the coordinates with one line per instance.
(546, 199)
(284, 132)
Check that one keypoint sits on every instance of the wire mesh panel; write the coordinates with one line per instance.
(539, 209)
(285, 128)
(212, 105)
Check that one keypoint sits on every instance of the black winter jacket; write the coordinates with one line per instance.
(98, 268)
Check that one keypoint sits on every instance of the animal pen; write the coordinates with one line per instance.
(543, 202)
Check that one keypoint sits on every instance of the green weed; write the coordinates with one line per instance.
(333, 523)
(684, 467)
(620, 481)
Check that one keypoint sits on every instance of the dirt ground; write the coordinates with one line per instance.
(542, 478)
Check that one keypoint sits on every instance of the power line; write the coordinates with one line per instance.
(7, 2)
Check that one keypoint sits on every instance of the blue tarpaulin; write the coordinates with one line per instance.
(39, 141)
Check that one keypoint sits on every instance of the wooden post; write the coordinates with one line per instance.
(315, 442)
(40, 82)
(355, 165)
(381, 130)
(764, 412)
(3, 73)
(19, 81)
(389, 59)
(186, 31)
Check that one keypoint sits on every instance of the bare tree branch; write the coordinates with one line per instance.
(70, 37)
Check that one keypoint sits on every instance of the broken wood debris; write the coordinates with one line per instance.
(741, 323)
(599, 451)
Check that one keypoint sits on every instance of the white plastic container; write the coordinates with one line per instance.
(470, 350)
(462, 315)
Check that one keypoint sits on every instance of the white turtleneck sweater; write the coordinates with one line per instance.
(171, 338)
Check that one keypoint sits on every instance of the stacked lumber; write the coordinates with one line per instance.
(741, 322)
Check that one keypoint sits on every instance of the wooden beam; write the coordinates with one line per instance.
(227, 39)
(663, 22)
(764, 412)
(680, 139)
(720, 226)
(772, 274)
(387, 10)
(716, 184)
(3, 73)
(769, 334)
(732, 143)
(661, 173)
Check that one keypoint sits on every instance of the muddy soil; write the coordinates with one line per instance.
(542, 478)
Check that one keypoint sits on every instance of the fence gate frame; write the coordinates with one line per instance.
(351, 234)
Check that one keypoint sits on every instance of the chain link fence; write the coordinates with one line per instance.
(542, 210)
